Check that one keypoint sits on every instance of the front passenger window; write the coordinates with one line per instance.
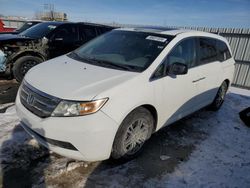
(184, 53)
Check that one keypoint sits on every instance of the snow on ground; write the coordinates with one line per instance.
(239, 91)
(223, 159)
(22, 159)
(208, 149)
(8, 120)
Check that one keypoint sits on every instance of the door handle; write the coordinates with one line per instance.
(199, 79)
(58, 39)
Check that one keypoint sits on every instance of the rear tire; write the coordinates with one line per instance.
(134, 131)
(23, 65)
(220, 97)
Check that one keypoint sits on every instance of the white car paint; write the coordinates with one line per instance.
(74, 80)
(93, 135)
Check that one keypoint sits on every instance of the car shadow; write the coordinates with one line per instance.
(162, 153)
(23, 161)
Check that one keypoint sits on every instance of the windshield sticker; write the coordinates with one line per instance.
(51, 27)
(158, 39)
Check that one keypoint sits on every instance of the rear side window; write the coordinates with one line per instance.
(207, 49)
(223, 51)
(67, 32)
(104, 29)
(87, 33)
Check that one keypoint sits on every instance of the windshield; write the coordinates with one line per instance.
(39, 30)
(126, 50)
(26, 26)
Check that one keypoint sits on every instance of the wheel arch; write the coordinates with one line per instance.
(154, 113)
(228, 82)
(147, 107)
(151, 109)
(27, 53)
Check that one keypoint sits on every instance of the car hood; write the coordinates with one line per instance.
(69, 79)
(13, 37)
(4, 33)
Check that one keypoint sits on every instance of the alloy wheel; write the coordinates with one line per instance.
(135, 136)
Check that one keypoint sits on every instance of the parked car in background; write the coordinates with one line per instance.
(109, 96)
(3, 28)
(18, 53)
(25, 26)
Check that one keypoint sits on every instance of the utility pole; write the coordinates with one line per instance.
(50, 9)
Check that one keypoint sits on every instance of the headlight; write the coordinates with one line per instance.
(75, 108)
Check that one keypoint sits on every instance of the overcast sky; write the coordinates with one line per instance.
(209, 13)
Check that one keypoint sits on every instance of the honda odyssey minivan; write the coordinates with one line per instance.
(106, 98)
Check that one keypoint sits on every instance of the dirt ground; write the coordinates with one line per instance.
(8, 90)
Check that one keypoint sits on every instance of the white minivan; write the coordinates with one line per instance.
(110, 95)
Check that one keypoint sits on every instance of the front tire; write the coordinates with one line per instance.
(23, 65)
(134, 131)
(220, 97)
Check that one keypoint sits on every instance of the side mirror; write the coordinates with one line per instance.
(177, 69)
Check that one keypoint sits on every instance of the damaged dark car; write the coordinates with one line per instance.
(19, 53)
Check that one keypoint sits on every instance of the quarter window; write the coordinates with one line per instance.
(87, 32)
(223, 51)
(67, 32)
(207, 49)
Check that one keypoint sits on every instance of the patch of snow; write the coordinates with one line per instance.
(74, 165)
(2, 106)
(8, 121)
(164, 157)
(239, 91)
(223, 159)
(33, 143)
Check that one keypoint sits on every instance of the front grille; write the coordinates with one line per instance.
(37, 102)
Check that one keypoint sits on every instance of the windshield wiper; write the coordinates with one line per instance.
(114, 65)
(111, 64)
(75, 56)
(106, 63)
(103, 63)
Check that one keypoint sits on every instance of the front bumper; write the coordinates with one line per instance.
(92, 136)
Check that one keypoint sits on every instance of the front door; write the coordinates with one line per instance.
(176, 95)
